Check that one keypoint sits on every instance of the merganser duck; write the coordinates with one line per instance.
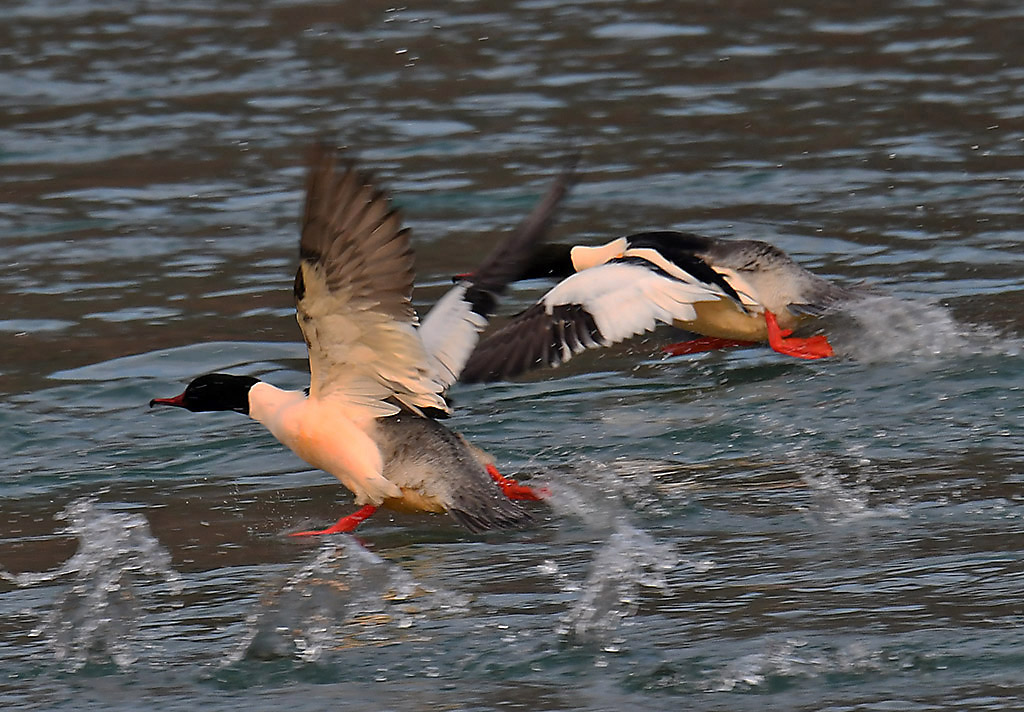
(376, 377)
(731, 292)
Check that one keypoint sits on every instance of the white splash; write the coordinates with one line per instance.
(835, 502)
(780, 659)
(98, 618)
(627, 563)
(795, 658)
(877, 328)
(598, 491)
(345, 596)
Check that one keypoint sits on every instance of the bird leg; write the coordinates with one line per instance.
(779, 339)
(347, 523)
(514, 490)
(704, 343)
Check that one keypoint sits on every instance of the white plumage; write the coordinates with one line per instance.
(449, 333)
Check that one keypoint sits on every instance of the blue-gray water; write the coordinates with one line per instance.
(731, 531)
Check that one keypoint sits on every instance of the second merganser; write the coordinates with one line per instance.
(376, 376)
(731, 292)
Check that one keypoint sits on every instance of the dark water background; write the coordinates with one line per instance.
(736, 531)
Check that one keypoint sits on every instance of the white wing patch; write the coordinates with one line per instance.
(628, 299)
(450, 332)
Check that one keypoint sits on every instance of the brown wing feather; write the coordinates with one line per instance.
(350, 231)
(353, 294)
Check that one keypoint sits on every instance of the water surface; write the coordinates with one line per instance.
(729, 531)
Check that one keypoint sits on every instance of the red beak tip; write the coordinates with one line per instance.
(177, 400)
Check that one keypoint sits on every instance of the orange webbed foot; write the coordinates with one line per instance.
(811, 347)
(345, 524)
(514, 490)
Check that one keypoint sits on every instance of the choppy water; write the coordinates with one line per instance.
(735, 531)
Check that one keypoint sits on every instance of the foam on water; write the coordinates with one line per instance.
(99, 617)
(780, 659)
(791, 658)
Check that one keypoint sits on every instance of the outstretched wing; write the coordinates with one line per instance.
(599, 306)
(451, 329)
(353, 296)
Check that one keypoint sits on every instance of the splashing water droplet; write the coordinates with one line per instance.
(878, 328)
(98, 618)
(345, 596)
(629, 560)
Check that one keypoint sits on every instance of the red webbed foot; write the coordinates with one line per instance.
(345, 524)
(780, 340)
(704, 343)
(514, 490)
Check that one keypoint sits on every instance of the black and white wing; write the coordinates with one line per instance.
(451, 329)
(597, 307)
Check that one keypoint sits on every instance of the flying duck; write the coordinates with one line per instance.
(730, 292)
(377, 376)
